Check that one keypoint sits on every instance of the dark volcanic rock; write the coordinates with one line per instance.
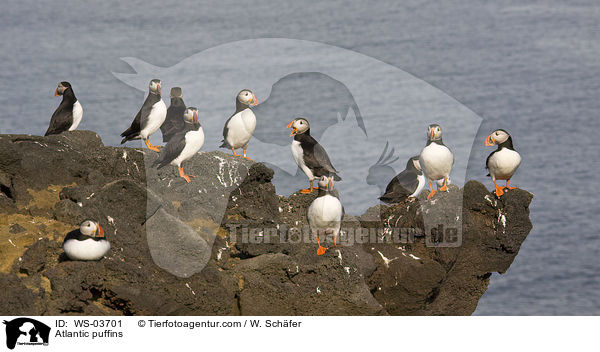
(175, 246)
(16, 298)
(226, 244)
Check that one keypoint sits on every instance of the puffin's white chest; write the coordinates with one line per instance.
(240, 128)
(436, 161)
(298, 154)
(420, 186)
(77, 115)
(157, 116)
(194, 140)
(325, 213)
(86, 250)
(503, 163)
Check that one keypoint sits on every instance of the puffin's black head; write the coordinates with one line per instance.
(247, 98)
(176, 92)
(62, 86)
(155, 86)
(191, 116)
(298, 126)
(434, 132)
(91, 228)
(499, 136)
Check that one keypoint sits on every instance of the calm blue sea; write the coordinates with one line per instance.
(530, 67)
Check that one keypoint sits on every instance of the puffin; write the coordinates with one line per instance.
(68, 114)
(86, 243)
(325, 213)
(150, 117)
(174, 120)
(184, 144)
(407, 184)
(240, 126)
(504, 161)
(436, 159)
(310, 156)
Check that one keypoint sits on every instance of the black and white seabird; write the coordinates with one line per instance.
(184, 144)
(174, 121)
(86, 243)
(310, 156)
(504, 161)
(408, 183)
(149, 119)
(436, 159)
(325, 213)
(240, 126)
(68, 114)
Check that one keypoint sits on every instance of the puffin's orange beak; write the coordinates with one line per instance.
(159, 89)
(254, 100)
(294, 130)
(195, 116)
(56, 92)
(489, 141)
(100, 233)
(431, 135)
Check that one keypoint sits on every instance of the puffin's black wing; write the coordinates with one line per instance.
(401, 186)
(225, 132)
(141, 119)
(488, 160)
(174, 120)
(133, 130)
(319, 162)
(61, 120)
(171, 150)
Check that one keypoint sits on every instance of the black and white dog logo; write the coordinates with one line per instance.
(26, 331)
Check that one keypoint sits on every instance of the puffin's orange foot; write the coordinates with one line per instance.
(321, 250)
(306, 191)
(499, 191)
(444, 188)
(186, 177)
(234, 153)
(245, 157)
(152, 147)
(510, 187)
(431, 194)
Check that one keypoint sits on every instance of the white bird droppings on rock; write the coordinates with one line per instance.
(386, 261)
